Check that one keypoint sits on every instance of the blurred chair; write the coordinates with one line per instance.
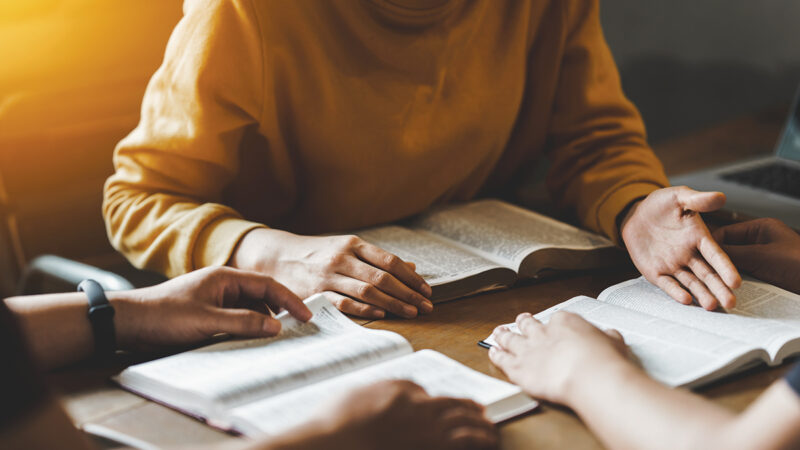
(50, 268)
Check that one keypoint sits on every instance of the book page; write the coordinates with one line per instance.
(437, 261)
(234, 372)
(504, 233)
(765, 316)
(436, 373)
(671, 353)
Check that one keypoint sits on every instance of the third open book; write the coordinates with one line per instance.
(682, 345)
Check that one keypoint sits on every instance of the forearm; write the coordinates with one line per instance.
(628, 409)
(57, 328)
(771, 422)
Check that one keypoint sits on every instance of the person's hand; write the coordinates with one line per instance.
(766, 248)
(365, 280)
(200, 304)
(547, 360)
(401, 415)
(671, 246)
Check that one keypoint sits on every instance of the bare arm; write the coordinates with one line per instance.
(569, 361)
(185, 310)
(57, 329)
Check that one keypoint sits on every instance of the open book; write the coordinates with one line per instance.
(267, 386)
(488, 244)
(683, 345)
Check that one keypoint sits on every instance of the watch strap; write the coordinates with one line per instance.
(101, 317)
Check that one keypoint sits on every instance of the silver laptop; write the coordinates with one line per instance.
(763, 187)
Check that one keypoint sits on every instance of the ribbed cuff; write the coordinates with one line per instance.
(614, 204)
(215, 244)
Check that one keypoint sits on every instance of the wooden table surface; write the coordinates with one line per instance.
(454, 328)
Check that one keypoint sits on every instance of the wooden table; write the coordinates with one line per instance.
(455, 328)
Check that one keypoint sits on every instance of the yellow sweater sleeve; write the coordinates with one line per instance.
(162, 205)
(597, 145)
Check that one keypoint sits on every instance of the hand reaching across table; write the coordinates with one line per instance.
(671, 246)
(766, 248)
(182, 311)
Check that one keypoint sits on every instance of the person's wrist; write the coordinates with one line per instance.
(581, 384)
(625, 216)
(128, 317)
(258, 250)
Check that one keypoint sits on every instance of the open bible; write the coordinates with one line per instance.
(682, 345)
(488, 244)
(267, 386)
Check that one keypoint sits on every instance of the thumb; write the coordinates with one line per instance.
(700, 201)
(245, 323)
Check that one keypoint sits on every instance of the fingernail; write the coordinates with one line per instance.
(271, 326)
(427, 306)
(380, 314)
(426, 289)
(410, 310)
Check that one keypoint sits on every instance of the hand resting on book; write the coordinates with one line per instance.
(570, 361)
(549, 360)
(200, 304)
(185, 310)
(366, 280)
(671, 246)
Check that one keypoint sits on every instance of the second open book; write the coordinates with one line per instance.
(268, 386)
(683, 345)
(489, 244)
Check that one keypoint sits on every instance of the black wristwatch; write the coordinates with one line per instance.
(101, 316)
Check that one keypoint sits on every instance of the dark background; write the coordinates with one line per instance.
(688, 64)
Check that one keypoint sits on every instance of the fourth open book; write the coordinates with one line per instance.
(682, 345)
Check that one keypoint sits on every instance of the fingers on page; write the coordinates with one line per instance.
(393, 264)
(508, 340)
(720, 262)
(257, 286)
(714, 283)
(669, 285)
(368, 293)
(387, 283)
(353, 307)
(697, 288)
(527, 324)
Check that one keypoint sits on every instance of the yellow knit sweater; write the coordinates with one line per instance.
(329, 115)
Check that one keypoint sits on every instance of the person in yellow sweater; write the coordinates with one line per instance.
(271, 121)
